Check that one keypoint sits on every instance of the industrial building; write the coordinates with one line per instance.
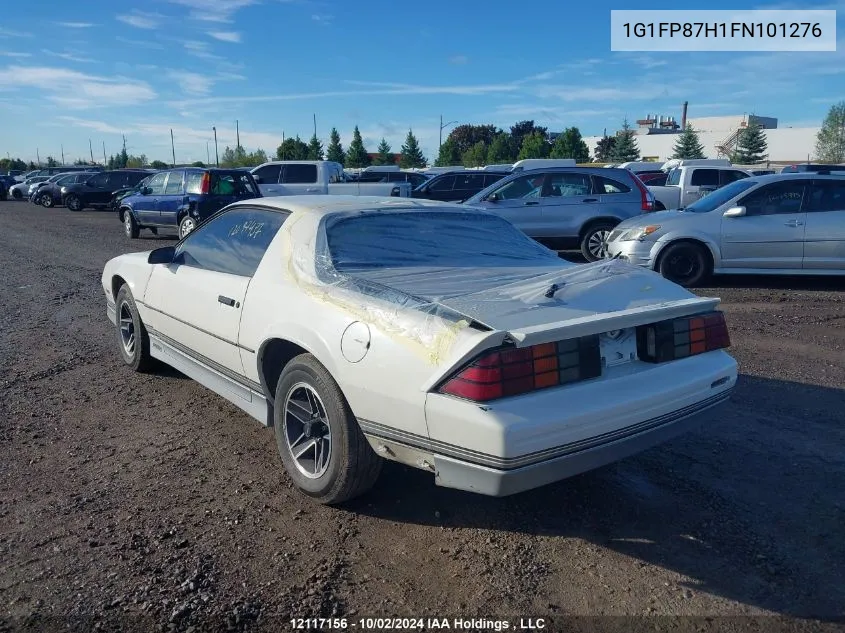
(657, 135)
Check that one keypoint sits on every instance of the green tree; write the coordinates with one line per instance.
(534, 146)
(122, 159)
(334, 152)
(626, 148)
(688, 145)
(518, 133)
(12, 163)
(412, 155)
(500, 150)
(315, 149)
(136, 161)
(449, 154)
(292, 149)
(52, 162)
(80, 162)
(830, 141)
(751, 146)
(465, 136)
(159, 164)
(385, 154)
(604, 149)
(570, 144)
(356, 155)
(475, 156)
(197, 163)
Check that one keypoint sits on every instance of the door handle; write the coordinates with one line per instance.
(793, 223)
(590, 200)
(227, 301)
(530, 204)
(312, 189)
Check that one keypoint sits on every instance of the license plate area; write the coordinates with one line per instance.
(618, 347)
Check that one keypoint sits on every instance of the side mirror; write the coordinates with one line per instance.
(162, 255)
(734, 212)
(493, 197)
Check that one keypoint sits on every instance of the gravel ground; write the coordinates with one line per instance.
(145, 502)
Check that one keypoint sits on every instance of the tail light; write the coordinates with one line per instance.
(646, 197)
(509, 372)
(205, 183)
(679, 338)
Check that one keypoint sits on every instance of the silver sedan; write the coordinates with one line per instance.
(768, 225)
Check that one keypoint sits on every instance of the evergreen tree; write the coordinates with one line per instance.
(604, 149)
(315, 149)
(412, 155)
(476, 155)
(751, 146)
(334, 152)
(570, 144)
(385, 153)
(830, 141)
(534, 146)
(449, 154)
(499, 151)
(292, 149)
(356, 155)
(52, 162)
(197, 163)
(688, 145)
(626, 148)
(160, 164)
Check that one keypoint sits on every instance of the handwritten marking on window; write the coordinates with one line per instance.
(250, 229)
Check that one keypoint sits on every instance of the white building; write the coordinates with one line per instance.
(656, 138)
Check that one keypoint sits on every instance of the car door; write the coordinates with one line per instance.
(824, 233)
(172, 199)
(92, 188)
(146, 204)
(197, 298)
(268, 178)
(568, 202)
(771, 233)
(518, 201)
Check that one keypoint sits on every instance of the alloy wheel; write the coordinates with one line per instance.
(307, 430)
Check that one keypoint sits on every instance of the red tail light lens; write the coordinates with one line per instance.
(205, 183)
(646, 197)
(679, 338)
(510, 371)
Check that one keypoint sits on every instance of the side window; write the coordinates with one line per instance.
(117, 180)
(174, 183)
(233, 242)
(522, 187)
(100, 180)
(269, 174)
(470, 181)
(299, 174)
(336, 174)
(490, 179)
(193, 181)
(446, 183)
(827, 195)
(567, 185)
(606, 185)
(705, 177)
(156, 184)
(727, 176)
(777, 198)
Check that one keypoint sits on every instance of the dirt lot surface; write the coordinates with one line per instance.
(145, 502)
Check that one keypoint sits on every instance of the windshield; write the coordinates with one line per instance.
(441, 238)
(719, 197)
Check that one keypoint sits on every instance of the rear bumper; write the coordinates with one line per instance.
(577, 458)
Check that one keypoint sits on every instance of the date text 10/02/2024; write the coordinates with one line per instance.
(410, 624)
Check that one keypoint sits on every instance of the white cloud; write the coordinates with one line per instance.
(75, 25)
(140, 43)
(322, 18)
(199, 49)
(14, 54)
(192, 83)
(75, 89)
(213, 10)
(13, 33)
(226, 36)
(68, 56)
(141, 19)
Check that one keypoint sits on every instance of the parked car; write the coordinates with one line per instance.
(518, 369)
(395, 175)
(16, 174)
(569, 208)
(23, 190)
(811, 167)
(120, 194)
(63, 169)
(766, 225)
(312, 177)
(686, 184)
(97, 190)
(183, 198)
(49, 192)
(653, 179)
(457, 186)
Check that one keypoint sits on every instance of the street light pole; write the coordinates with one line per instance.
(216, 155)
(442, 127)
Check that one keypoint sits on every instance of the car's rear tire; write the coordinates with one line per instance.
(321, 445)
(659, 206)
(74, 202)
(132, 338)
(594, 240)
(130, 226)
(46, 200)
(685, 263)
(186, 225)
(16, 194)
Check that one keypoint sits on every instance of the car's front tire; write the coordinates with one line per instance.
(46, 200)
(685, 263)
(132, 338)
(130, 226)
(319, 440)
(74, 202)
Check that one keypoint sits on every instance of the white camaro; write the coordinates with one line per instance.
(427, 333)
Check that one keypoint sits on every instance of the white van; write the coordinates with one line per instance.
(674, 163)
(540, 163)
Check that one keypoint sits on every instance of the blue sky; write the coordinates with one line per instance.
(97, 69)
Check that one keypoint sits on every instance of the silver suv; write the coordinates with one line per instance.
(569, 207)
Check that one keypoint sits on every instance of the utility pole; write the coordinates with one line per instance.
(315, 125)
(63, 155)
(38, 156)
(283, 145)
(91, 149)
(105, 160)
(216, 155)
(172, 147)
(442, 127)
(237, 136)
(207, 155)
